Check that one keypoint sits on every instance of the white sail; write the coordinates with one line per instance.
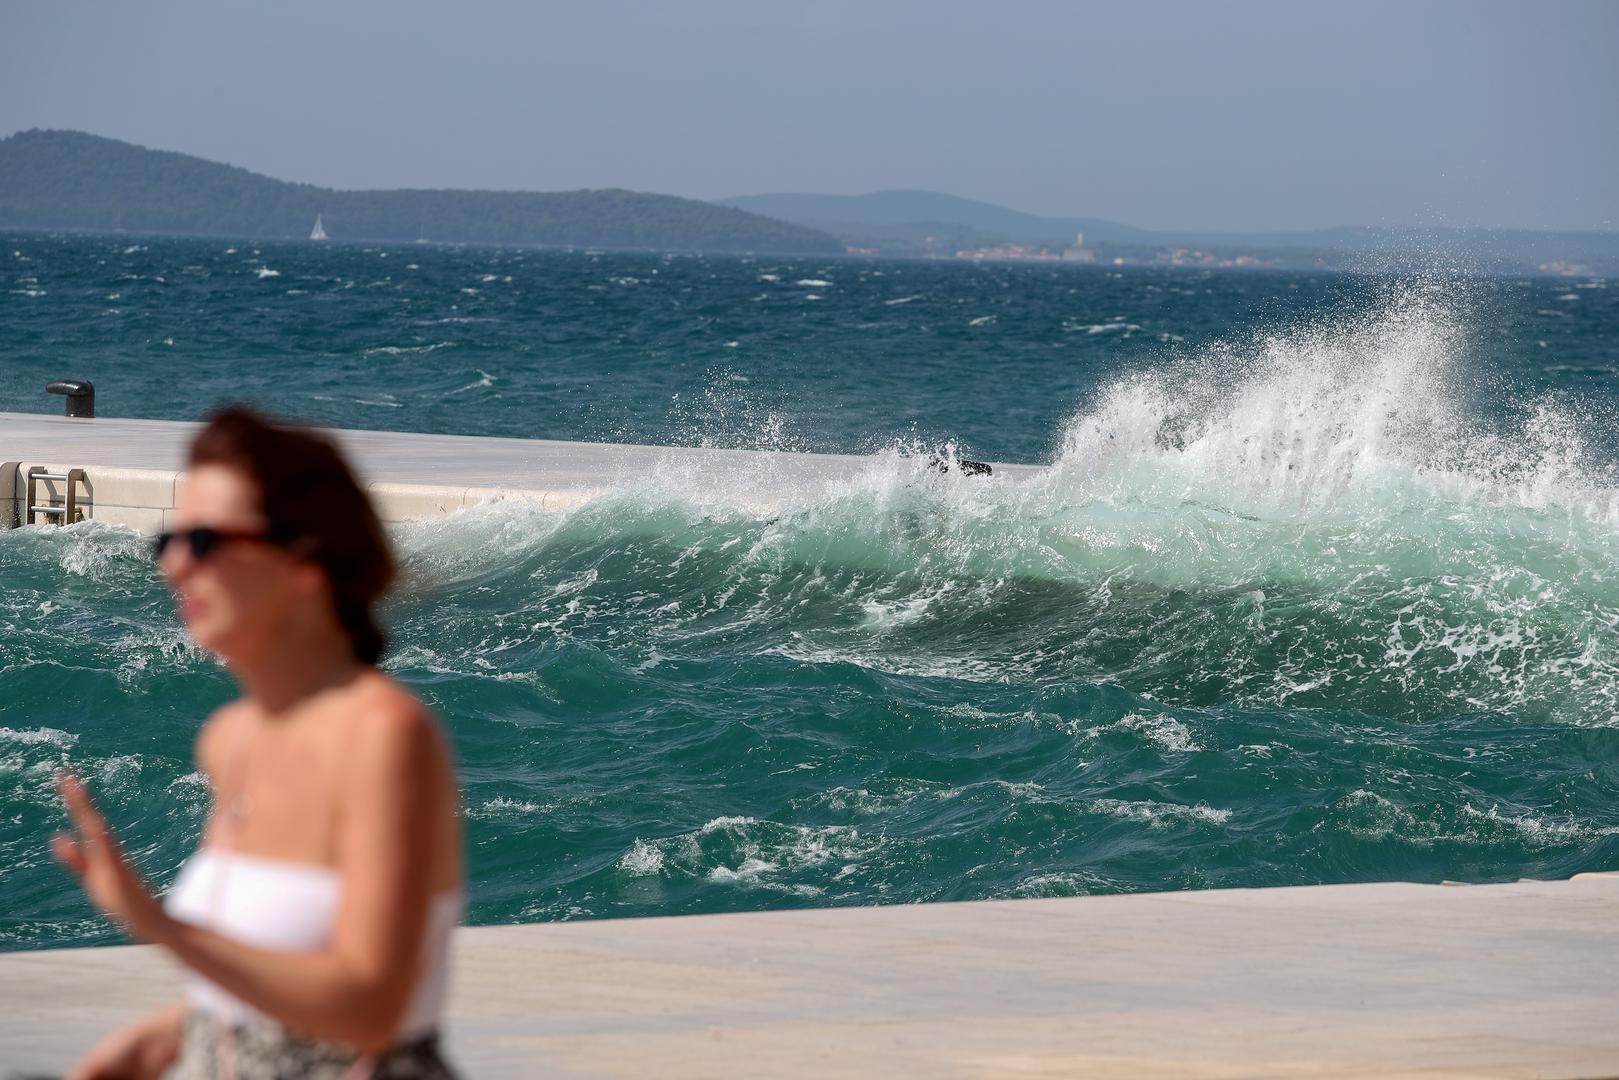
(317, 233)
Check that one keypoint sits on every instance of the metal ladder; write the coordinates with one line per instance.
(68, 512)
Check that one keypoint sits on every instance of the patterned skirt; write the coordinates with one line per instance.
(261, 1050)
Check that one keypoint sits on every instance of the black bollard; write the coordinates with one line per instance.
(80, 395)
(965, 466)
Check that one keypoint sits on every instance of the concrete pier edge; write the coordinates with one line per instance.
(135, 469)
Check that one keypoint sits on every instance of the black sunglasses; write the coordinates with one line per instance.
(204, 540)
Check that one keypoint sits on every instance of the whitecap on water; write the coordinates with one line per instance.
(401, 350)
(43, 736)
(752, 853)
(503, 806)
(1060, 883)
(642, 858)
(484, 379)
(1538, 830)
(1160, 815)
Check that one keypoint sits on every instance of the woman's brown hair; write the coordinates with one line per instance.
(313, 504)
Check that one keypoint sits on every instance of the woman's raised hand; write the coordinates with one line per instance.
(141, 1051)
(93, 854)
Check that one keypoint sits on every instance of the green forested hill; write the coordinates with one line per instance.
(71, 180)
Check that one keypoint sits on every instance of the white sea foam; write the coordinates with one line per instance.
(726, 823)
(751, 853)
(266, 272)
(1165, 732)
(1060, 883)
(1160, 815)
(865, 802)
(147, 649)
(1539, 830)
(747, 870)
(814, 283)
(401, 350)
(42, 736)
(890, 614)
(190, 784)
(642, 858)
(503, 807)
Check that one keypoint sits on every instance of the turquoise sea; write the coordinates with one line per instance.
(1320, 582)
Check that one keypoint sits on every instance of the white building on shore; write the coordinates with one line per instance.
(1078, 252)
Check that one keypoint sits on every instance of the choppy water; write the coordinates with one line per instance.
(1319, 583)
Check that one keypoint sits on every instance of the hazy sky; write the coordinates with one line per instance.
(1220, 115)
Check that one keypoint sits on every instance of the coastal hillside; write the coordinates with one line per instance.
(886, 210)
(72, 180)
(911, 222)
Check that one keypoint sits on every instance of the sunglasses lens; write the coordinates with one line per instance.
(203, 542)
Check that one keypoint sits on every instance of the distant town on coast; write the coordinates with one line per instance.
(76, 181)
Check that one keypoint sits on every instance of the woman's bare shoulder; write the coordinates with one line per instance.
(376, 695)
(387, 713)
(217, 735)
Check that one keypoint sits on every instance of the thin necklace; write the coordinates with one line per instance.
(235, 807)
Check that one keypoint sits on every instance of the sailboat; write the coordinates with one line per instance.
(317, 233)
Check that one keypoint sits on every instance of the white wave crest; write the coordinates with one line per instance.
(1329, 417)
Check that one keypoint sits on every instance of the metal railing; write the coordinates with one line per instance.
(68, 511)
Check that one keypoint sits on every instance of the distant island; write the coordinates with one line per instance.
(930, 224)
(72, 180)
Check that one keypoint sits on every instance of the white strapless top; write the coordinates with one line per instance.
(292, 906)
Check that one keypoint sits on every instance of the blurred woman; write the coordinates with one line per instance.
(315, 915)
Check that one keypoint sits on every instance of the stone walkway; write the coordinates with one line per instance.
(1386, 980)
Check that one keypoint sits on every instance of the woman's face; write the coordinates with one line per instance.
(234, 599)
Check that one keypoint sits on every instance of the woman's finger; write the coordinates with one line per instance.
(67, 852)
(87, 819)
